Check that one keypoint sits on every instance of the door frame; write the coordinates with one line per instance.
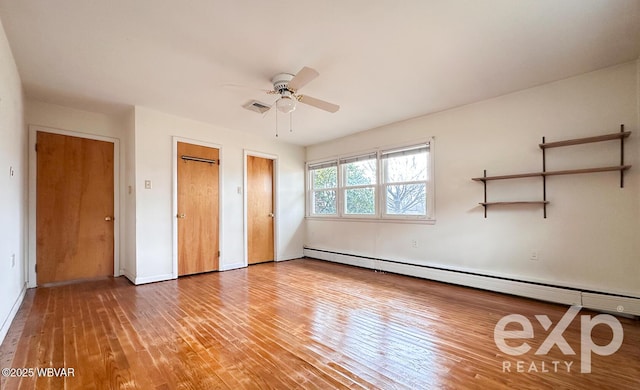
(32, 188)
(274, 158)
(174, 195)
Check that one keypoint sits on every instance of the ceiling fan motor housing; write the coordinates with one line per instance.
(281, 82)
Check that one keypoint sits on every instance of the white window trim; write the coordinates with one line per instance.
(380, 187)
(310, 190)
(342, 162)
(428, 182)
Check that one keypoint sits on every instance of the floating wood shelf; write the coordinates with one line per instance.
(555, 173)
(586, 170)
(546, 145)
(514, 202)
(503, 177)
(586, 140)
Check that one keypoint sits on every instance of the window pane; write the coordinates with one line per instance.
(325, 177)
(324, 202)
(360, 173)
(408, 199)
(360, 201)
(406, 168)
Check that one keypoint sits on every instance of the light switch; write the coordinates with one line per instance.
(147, 184)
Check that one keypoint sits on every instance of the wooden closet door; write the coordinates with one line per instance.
(74, 208)
(260, 210)
(198, 205)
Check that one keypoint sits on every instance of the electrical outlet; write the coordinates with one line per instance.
(414, 243)
(534, 256)
(147, 184)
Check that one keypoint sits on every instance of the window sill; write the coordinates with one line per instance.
(424, 221)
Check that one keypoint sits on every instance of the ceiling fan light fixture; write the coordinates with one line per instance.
(286, 104)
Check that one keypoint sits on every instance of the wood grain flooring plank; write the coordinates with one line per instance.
(298, 324)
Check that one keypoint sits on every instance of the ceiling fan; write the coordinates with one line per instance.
(287, 85)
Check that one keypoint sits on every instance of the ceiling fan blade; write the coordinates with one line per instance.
(302, 78)
(321, 104)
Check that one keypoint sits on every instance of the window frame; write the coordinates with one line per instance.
(428, 182)
(380, 187)
(344, 187)
(311, 190)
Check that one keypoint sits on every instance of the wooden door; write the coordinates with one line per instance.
(198, 205)
(74, 208)
(260, 209)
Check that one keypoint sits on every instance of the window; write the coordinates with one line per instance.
(359, 184)
(405, 181)
(324, 188)
(390, 184)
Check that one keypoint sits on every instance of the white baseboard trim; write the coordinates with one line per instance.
(232, 266)
(152, 279)
(129, 275)
(556, 294)
(611, 303)
(289, 257)
(6, 324)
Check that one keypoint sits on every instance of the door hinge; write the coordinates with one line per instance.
(36, 147)
(218, 253)
(36, 268)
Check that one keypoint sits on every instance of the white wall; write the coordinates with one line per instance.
(591, 237)
(13, 198)
(67, 118)
(146, 141)
(154, 132)
(114, 126)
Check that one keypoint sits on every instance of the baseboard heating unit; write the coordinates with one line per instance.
(595, 300)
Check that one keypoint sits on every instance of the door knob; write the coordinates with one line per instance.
(181, 216)
(271, 215)
(109, 219)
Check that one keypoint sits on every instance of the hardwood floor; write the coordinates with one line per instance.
(297, 324)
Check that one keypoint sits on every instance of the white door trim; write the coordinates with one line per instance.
(117, 227)
(174, 223)
(274, 158)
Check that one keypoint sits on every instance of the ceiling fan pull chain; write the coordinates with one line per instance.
(276, 123)
(291, 122)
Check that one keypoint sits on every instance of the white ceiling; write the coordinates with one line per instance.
(381, 60)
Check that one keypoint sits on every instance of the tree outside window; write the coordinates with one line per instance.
(405, 176)
(350, 186)
(324, 179)
(360, 178)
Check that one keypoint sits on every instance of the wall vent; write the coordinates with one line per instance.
(257, 106)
